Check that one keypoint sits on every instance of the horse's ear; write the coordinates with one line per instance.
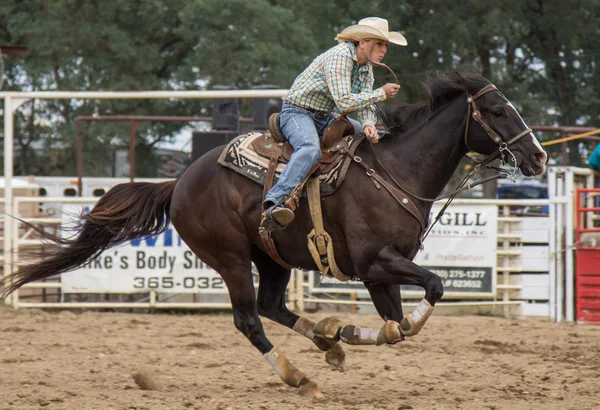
(459, 77)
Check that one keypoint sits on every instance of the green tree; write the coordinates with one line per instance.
(78, 45)
(246, 43)
(541, 54)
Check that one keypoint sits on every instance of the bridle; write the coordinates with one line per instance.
(503, 148)
(473, 112)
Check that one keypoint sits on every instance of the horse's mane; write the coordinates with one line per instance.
(440, 90)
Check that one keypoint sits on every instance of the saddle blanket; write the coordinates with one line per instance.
(240, 156)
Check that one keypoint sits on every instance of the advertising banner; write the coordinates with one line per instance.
(461, 249)
(161, 263)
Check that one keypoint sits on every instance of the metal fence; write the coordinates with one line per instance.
(522, 280)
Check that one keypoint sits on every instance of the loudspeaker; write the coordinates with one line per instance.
(225, 111)
(263, 108)
(202, 142)
(225, 114)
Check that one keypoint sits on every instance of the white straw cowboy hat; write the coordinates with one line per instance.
(371, 27)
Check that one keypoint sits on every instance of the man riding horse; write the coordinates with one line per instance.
(341, 79)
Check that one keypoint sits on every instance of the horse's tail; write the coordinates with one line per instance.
(125, 212)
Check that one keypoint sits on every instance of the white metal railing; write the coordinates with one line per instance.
(505, 253)
(19, 241)
(297, 286)
(562, 184)
(13, 100)
(18, 96)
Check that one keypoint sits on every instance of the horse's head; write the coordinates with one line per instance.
(495, 128)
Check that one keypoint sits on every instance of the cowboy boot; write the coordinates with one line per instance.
(276, 217)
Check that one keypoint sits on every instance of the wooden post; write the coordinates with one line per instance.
(300, 290)
(291, 291)
(132, 128)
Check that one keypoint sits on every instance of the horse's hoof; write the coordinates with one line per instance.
(336, 357)
(310, 390)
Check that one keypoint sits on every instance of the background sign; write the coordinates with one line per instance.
(161, 263)
(461, 249)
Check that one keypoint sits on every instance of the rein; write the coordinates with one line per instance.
(387, 68)
(503, 147)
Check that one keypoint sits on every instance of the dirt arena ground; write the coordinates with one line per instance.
(86, 361)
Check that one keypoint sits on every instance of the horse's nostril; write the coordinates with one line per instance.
(540, 157)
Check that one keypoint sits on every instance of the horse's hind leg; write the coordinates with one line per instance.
(237, 274)
(271, 304)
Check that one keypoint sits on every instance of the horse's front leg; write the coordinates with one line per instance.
(382, 280)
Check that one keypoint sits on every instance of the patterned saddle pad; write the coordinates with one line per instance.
(241, 156)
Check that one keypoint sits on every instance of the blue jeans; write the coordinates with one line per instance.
(302, 129)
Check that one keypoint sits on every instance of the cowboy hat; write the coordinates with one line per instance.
(371, 27)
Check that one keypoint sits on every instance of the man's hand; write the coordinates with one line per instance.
(390, 90)
(372, 134)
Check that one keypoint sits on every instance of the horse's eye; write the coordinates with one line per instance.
(498, 113)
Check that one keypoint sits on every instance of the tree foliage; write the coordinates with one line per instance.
(540, 53)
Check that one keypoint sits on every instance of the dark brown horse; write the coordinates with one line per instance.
(217, 213)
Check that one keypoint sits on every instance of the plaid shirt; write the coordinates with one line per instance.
(334, 80)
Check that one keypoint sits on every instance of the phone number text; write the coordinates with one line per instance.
(168, 282)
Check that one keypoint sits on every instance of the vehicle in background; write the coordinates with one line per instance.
(525, 190)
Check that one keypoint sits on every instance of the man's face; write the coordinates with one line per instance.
(375, 49)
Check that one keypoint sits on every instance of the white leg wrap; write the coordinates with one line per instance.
(413, 322)
(354, 335)
(368, 334)
(305, 328)
(287, 371)
(421, 310)
(389, 333)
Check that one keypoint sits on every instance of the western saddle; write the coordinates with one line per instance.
(332, 145)
(274, 146)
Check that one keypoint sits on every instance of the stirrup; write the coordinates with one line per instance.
(276, 218)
